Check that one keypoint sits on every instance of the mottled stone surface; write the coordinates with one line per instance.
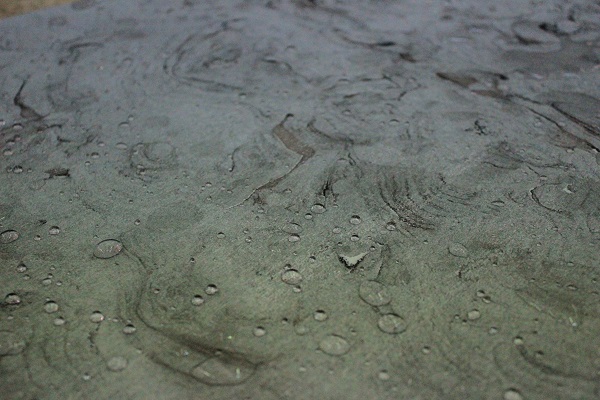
(180, 175)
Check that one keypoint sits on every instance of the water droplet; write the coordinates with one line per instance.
(121, 146)
(117, 364)
(259, 331)
(291, 277)
(95, 155)
(336, 230)
(221, 235)
(308, 216)
(211, 289)
(334, 345)
(355, 220)
(129, 329)
(390, 226)
(50, 307)
(108, 248)
(292, 228)
(383, 375)
(458, 250)
(318, 208)
(320, 315)
(17, 169)
(11, 343)
(294, 238)
(96, 317)
(391, 323)
(473, 315)
(60, 321)
(518, 341)
(8, 236)
(512, 394)
(12, 299)
(374, 293)
(21, 268)
(54, 230)
(221, 371)
(197, 300)
(354, 238)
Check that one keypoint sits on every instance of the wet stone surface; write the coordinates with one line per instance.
(295, 199)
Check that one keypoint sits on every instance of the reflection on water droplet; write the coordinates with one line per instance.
(96, 317)
(117, 364)
(334, 345)
(391, 323)
(8, 236)
(291, 277)
(318, 208)
(108, 248)
(50, 307)
(374, 293)
(223, 371)
(355, 220)
(54, 230)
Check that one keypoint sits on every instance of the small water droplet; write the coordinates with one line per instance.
(318, 208)
(8, 236)
(12, 299)
(96, 317)
(259, 331)
(334, 345)
(221, 235)
(121, 146)
(391, 323)
(108, 248)
(54, 230)
(336, 230)
(383, 375)
(17, 169)
(294, 238)
(21, 268)
(308, 216)
(512, 394)
(197, 300)
(51, 307)
(374, 293)
(291, 277)
(211, 289)
(320, 315)
(355, 220)
(473, 315)
(117, 364)
(354, 238)
(129, 329)
(518, 341)
(390, 226)
(60, 321)
(458, 250)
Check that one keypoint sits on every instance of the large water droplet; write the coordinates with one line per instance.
(223, 371)
(108, 248)
(96, 317)
(391, 323)
(374, 293)
(50, 307)
(12, 299)
(334, 345)
(8, 236)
